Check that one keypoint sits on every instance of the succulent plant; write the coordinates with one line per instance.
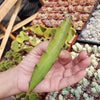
(95, 88)
(77, 92)
(94, 62)
(84, 82)
(88, 48)
(90, 71)
(60, 97)
(99, 49)
(51, 98)
(74, 55)
(95, 50)
(66, 91)
(85, 95)
(97, 74)
(53, 94)
(74, 47)
(77, 47)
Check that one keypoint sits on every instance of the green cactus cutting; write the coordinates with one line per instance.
(47, 60)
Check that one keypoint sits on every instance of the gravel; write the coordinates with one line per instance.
(92, 30)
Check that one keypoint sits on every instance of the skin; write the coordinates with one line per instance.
(63, 73)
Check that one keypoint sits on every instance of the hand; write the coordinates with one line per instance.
(63, 73)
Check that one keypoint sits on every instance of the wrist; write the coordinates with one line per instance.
(14, 81)
(8, 83)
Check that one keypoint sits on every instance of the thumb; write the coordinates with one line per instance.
(34, 56)
(38, 50)
(64, 57)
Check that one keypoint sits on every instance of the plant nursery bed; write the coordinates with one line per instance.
(91, 32)
(55, 11)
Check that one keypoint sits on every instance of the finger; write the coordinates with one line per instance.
(81, 66)
(33, 57)
(64, 57)
(68, 81)
(82, 55)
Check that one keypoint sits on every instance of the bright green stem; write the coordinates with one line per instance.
(32, 96)
(48, 58)
(20, 95)
(26, 97)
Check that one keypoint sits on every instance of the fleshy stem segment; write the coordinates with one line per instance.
(50, 55)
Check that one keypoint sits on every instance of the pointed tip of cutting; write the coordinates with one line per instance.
(70, 17)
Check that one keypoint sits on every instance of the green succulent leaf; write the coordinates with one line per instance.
(50, 32)
(54, 48)
(28, 49)
(34, 41)
(33, 96)
(2, 67)
(17, 57)
(9, 64)
(20, 95)
(38, 30)
(66, 46)
(8, 54)
(25, 29)
(71, 34)
(42, 28)
(15, 46)
(22, 37)
(26, 97)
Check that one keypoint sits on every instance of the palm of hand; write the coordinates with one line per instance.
(63, 73)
